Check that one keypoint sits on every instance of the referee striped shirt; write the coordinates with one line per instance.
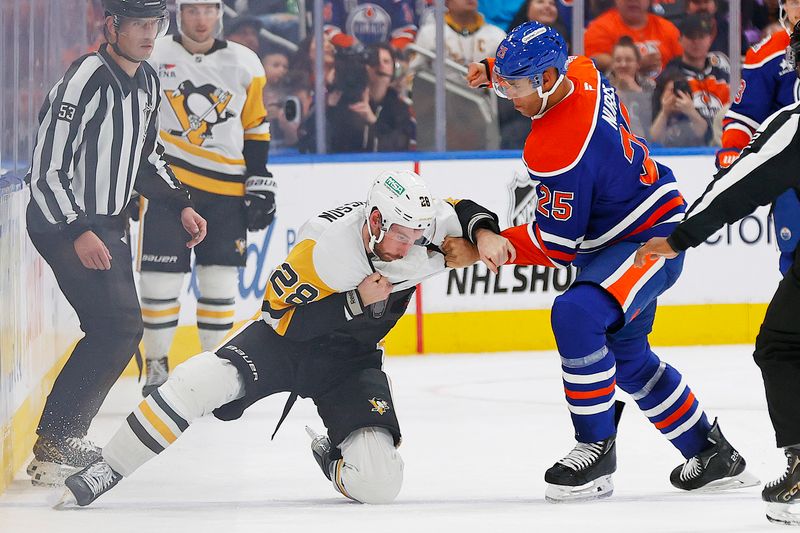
(97, 141)
(769, 166)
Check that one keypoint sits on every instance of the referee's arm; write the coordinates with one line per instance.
(766, 168)
(154, 178)
(62, 122)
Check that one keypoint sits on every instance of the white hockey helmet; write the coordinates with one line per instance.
(181, 3)
(402, 198)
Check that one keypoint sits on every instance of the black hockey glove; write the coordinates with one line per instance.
(259, 200)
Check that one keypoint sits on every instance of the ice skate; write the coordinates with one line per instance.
(718, 467)
(157, 374)
(321, 449)
(84, 487)
(584, 474)
(783, 494)
(53, 461)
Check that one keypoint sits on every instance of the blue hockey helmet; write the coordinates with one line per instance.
(525, 54)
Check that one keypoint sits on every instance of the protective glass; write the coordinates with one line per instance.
(149, 27)
(509, 88)
(404, 235)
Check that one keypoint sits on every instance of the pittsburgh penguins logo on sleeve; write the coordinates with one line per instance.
(198, 110)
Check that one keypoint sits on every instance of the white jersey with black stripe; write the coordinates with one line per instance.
(211, 103)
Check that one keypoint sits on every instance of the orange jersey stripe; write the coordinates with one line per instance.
(677, 414)
(589, 394)
(658, 213)
(621, 288)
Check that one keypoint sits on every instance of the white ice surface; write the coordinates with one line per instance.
(478, 433)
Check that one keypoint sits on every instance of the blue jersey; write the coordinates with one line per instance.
(768, 84)
(595, 181)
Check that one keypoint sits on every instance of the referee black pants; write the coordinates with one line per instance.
(777, 353)
(108, 309)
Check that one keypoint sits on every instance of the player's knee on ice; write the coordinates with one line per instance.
(201, 384)
(373, 469)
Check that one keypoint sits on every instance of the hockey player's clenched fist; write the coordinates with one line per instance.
(374, 288)
(459, 252)
(495, 250)
(477, 76)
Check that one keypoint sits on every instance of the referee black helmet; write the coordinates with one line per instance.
(140, 9)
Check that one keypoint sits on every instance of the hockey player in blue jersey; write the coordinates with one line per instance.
(599, 195)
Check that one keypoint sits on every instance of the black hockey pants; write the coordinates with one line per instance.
(108, 309)
(777, 353)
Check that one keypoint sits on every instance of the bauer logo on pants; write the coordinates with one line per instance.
(379, 406)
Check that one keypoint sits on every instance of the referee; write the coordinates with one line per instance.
(768, 167)
(97, 142)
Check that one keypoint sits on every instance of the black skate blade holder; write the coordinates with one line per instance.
(618, 407)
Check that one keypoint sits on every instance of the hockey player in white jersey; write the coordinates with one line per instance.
(341, 289)
(216, 141)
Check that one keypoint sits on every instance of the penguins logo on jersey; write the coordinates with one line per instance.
(379, 406)
(241, 246)
(199, 109)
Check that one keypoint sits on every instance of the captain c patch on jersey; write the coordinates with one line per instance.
(198, 110)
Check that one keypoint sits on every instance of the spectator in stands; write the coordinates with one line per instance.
(707, 73)
(364, 113)
(499, 12)
(624, 73)
(276, 64)
(244, 30)
(657, 38)
(303, 60)
(677, 121)
(370, 22)
(288, 108)
(719, 29)
(468, 38)
(634, 90)
(544, 11)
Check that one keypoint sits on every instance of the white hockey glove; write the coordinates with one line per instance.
(259, 200)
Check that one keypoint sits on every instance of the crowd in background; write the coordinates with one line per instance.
(668, 59)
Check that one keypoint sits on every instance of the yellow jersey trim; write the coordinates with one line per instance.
(197, 151)
(204, 183)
